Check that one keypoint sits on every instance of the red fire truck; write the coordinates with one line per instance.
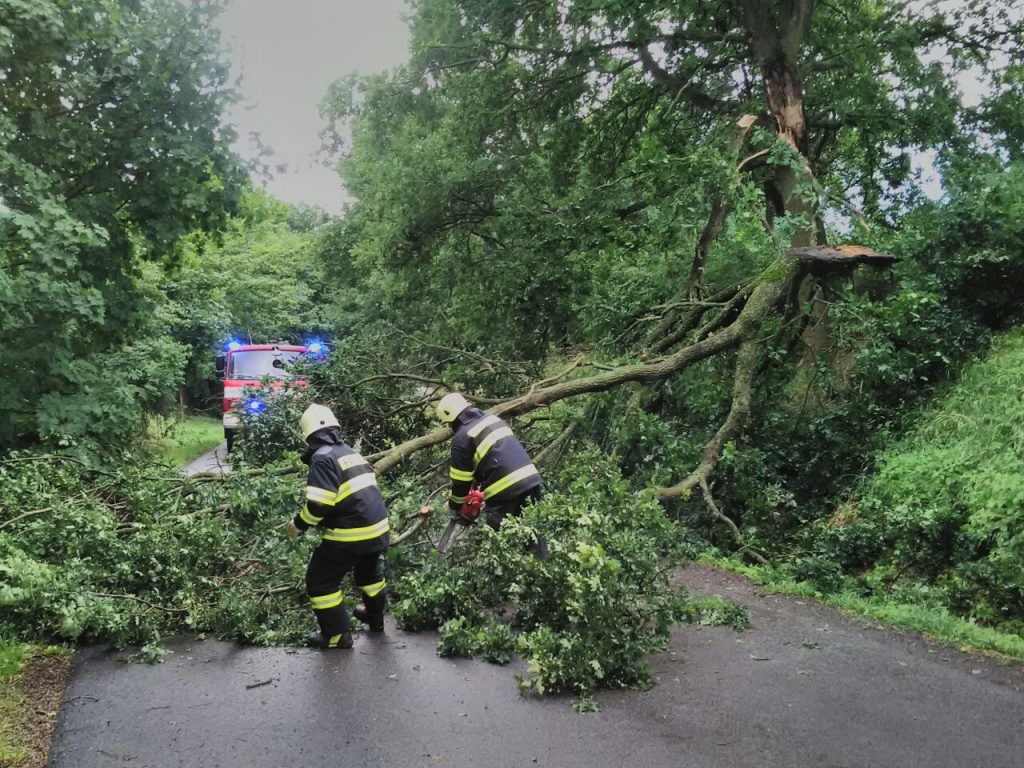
(247, 365)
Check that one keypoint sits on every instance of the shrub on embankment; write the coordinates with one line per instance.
(942, 520)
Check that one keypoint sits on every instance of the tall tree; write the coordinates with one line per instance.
(257, 280)
(657, 177)
(111, 148)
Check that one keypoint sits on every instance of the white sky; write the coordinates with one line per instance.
(288, 52)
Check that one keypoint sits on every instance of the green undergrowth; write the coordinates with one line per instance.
(177, 441)
(12, 655)
(941, 521)
(128, 555)
(934, 621)
(583, 618)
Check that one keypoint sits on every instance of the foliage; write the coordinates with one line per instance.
(111, 149)
(271, 433)
(178, 440)
(542, 177)
(943, 512)
(11, 656)
(895, 341)
(127, 555)
(582, 618)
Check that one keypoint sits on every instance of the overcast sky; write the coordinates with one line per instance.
(288, 52)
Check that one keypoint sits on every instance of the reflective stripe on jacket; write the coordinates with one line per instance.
(342, 498)
(485, 452)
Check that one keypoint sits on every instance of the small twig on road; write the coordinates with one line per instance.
(261, 682)
(77, 698)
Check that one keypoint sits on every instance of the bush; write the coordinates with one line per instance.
(946, 507)
(584, 617)
(268, 429)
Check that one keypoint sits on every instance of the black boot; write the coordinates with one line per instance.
(320, 640)
(371, 613)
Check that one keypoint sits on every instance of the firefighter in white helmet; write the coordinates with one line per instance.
(487, 455)
(343, 500)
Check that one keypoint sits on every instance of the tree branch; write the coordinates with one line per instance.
(746, 365)
(710, 501)
(771, 287)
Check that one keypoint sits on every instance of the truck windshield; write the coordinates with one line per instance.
(256, 364)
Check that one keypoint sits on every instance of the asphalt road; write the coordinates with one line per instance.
(802, 688)
(215, 460)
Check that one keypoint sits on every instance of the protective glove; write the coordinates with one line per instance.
(291, 530)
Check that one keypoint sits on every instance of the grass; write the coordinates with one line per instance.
(180, 440)
(11, 657)
(15, 741)
(935, 622)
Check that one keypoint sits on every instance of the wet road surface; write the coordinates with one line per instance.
(804, 688)
(215, 460)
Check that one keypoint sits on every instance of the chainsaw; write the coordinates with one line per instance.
(471, 507)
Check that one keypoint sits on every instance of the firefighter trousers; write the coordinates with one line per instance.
(327, 567)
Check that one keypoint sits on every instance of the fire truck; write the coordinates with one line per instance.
(244, 365)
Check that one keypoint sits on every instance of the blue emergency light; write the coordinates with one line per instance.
(234, 346)
(314, 347)
(255, 405)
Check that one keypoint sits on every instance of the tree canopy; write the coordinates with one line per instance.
(112, 147)
(644, 178)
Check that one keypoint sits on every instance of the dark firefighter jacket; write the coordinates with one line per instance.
(487, 454)
(342, 498)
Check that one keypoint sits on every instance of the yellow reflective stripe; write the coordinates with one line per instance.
(488, 442)
(308, 517)
(352, 460)
(456, 499)
(323, 602)
(333, 642)
(358, 534)
(460, 474)
(509, 480)
(321, 495)
(356, 484)
(483, 424)
(372, 590)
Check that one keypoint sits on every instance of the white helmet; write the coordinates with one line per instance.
(451, 406)
(316, 417)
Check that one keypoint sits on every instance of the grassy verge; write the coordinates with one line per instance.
(11, 657)
(178, 441)
(935, 622)
(32, 683)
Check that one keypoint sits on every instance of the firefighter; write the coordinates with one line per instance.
(486, 454)
(343, 500)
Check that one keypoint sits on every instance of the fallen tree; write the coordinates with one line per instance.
(520, 163)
